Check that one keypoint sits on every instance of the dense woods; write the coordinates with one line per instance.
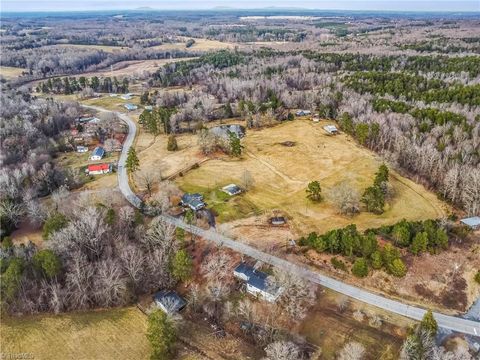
(31, 131)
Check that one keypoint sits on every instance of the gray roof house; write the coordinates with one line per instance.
(193, 201)
(331, 129)
(169, 301)
(224, 130)
(97, 153)
(257, 282)
(472, 222)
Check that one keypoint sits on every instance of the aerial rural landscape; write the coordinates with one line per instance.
(279, 183)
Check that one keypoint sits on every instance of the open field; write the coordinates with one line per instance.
(133, 67)
(109, 334)
(10, 73)
(200, 45)
(105, 48)
(282, 173)
(330, 329)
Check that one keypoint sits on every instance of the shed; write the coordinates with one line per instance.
(169, 301)
(130, 107)
(82, 149)
(278, 220)
(231, 189)
(303, 112)
(472, 222)
(127, 96)
(149, 107)
(97, 153)
(331, 129)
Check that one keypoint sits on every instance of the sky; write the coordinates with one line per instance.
(382, 5)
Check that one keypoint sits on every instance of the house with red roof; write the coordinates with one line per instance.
(99, 169)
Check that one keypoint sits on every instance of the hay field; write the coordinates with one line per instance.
(10, 73)
(282, 173)
(200, 45)
(109, 334)
(105, 48)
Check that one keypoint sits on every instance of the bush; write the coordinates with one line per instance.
(172, 143)
(54, 223)
(377, 261)
(397, 268)
(338, 264)
(360, 268)
(477, 277)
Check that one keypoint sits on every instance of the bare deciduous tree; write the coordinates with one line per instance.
(352, 351)
(282, 350)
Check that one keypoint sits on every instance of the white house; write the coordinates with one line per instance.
(82, 149)
(331, 129)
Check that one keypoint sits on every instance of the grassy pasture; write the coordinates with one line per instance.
(109, 334)
(282, 173)
(200, 45)
(10, 73)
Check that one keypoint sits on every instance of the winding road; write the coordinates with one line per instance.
(454, 323)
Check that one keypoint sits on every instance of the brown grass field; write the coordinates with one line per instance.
(110, 334)
(10, 73)
(281, 175)
(105, 48)
(200, 45)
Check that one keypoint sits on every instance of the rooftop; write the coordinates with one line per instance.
(224, 130)
(98, 151)
(170, 301)
(473, 221)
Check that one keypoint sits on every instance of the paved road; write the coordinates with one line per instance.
(461, 325)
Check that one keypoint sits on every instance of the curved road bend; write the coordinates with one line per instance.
(461, 325)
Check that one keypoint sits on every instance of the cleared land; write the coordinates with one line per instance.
(10, 73)
(94, 47)
(134, 67)
(110, 334)
(199, 45)
(282, 173)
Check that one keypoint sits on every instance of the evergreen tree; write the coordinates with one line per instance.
(429, 323)
(419, 243)
(377, 262)
(172, 143)
(161, 334)
(360, 268)
(374, 199)
(132, 164)
(228, 110)
(314, 191)
(235, 144)
(54, 223)
(47, 262)
(397, 268)
(182, 265)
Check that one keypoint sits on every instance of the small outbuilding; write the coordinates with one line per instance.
(331, 129)
(303, 112)
(278, 220)
(231, 189)
(82, 149)
(97, 153)
(472, 222)
(130, 107)
(169, 301)
(127, 96)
